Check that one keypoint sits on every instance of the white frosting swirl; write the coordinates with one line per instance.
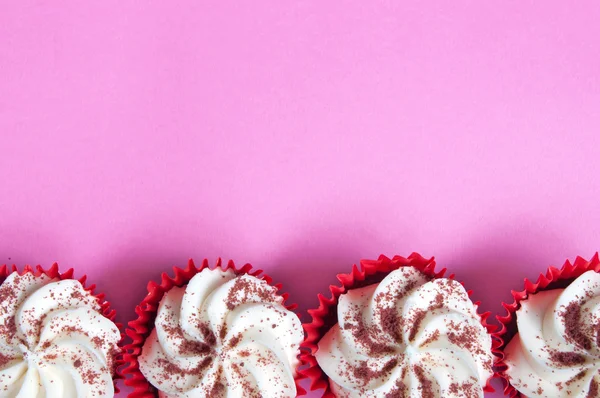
(223, 335)
(54, 340)
(557, 350)
(407, 336)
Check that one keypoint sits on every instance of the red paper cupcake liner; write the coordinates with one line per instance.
(54, 273)
(139, 329)
(553, 279)
(325, 316)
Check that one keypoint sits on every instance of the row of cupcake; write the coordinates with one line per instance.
(391, 328)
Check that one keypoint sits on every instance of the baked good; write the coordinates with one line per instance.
(556, 350)
(55, 339)
(222, 334)
(410, 334)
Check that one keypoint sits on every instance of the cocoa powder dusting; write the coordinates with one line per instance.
(573, 328)
(577, 377)
(207, 334)
(400, 390)
(172, 369)
(464, 336)
(235, 340)
(420, 315)
(89, 376)
(218, 390)
(365, 374)
(425, 385)
(434, 336)
(10, 327)
(566, 358)
(246, 289)
(468, 389)
(391, 323)
(187, 346)
(7, 293)
(5, 359)
(98, 341)
(363, 334)
(593, 391)
(416, 324)
(195, 348)
(223, 332)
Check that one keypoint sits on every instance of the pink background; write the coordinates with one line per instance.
(299, 137)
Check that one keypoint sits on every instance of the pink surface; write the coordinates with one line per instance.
(299, 138)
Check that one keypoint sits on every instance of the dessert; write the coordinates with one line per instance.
(55, 340)
(556, 349)
(410, 334)
(223, 333)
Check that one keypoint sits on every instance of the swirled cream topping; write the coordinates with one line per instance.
(54, 340)
(556, 352)
(223, 335)
(407, 336)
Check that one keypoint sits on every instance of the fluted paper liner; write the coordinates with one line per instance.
(54, 273)
(139, 329)
(325, 316)
(554, 278)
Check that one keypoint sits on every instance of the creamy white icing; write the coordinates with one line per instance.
(556, 352)
(223, 335)
(54, 340)
(407, 336)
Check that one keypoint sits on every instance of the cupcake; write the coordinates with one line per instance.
(396, 328)
(551, 334)
(57, 339)
(214, 333)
